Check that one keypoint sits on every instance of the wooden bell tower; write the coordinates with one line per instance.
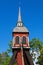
(21, 46)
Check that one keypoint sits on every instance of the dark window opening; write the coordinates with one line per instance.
(17, 40)
(24, 40)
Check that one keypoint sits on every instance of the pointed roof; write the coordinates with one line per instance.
(20, 27)
(19, 15)
(19, 23)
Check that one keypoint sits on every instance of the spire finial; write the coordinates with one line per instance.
(19, 15)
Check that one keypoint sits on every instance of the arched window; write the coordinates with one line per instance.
(17, 40)
(23, 40)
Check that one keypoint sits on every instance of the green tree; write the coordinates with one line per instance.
(5, 58)
(0, 59)
(36, 46)
(9, 50)
(40, 58)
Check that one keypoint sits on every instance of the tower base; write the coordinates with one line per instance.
(17, 56)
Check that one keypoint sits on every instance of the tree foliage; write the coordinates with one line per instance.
(4, 58)
(40, 58)
(37, 46)
(10, 47)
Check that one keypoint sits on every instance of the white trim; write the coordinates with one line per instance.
(15, 47)
(28, 41)
(13, 41)
(20, 40)
(26, 47)
(20, 47)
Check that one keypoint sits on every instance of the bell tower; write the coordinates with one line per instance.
(20, 33)
(21, 46)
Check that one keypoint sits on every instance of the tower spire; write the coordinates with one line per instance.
(19, 15)
(19, 23)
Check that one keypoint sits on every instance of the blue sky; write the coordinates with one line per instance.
(32, 17)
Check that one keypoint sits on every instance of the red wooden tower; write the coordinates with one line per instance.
(21, 44)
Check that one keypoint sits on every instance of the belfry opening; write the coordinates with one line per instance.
(21, 47)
